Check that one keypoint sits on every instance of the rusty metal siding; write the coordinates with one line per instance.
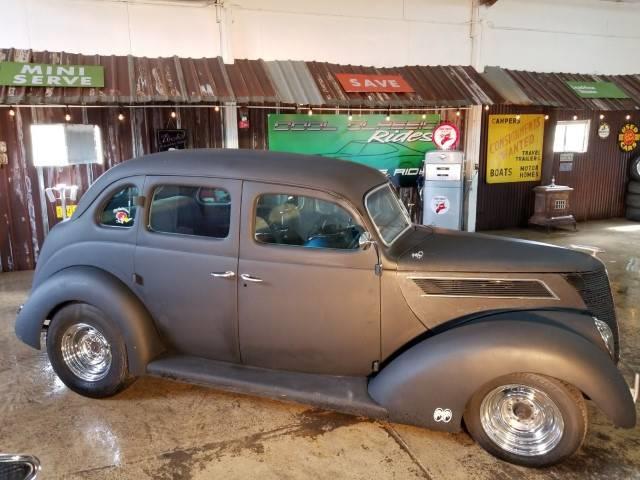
(505, 205)
(599, 176)
(250, 82)
(135, 80)
(21, 223)
(204, 79)
(434, 87)
(21, 232)
(128, 80)
(255, 137)
(551, 89)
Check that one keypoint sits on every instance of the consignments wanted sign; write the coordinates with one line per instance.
(514, 151)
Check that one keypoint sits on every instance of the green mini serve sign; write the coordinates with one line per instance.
(46, 75)
(596, 89)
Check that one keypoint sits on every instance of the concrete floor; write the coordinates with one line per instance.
(167, 430)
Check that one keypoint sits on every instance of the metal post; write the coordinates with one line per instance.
(476, 36)
(223, 18)
(63, 202)
(472, 162)
(230, 125)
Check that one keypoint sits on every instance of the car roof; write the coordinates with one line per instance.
(348, 179)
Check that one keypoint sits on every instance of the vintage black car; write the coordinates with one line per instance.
(302, 278)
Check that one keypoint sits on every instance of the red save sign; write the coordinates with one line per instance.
(357, 82)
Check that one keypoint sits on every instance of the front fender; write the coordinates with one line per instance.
(104, 291)
(445, 370)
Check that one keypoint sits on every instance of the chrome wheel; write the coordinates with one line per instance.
(86, 352)
(521, 420)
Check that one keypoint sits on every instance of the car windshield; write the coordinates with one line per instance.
(387, 213)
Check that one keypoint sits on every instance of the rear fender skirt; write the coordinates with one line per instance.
(444, 371)
(104, 291)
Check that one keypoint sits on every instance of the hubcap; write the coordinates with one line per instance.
(521, 420)
(86, 352)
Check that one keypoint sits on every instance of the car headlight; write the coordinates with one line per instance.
(605, 333)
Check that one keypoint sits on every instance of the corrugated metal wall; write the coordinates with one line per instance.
(504, 205)
(599, 176)
(21, 222)
(21, 231)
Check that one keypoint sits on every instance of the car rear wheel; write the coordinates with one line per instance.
(528, 419)
(87, 351)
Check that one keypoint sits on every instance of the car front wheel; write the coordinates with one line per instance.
(87, 351)
(528, 419)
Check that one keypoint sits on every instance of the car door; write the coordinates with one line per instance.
(186, 261)
(308, 297)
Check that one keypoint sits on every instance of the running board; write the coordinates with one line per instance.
(342, 394)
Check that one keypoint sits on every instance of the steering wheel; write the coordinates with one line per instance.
(335, 235)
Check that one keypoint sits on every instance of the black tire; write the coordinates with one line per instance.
(634, 169)
(633, 214)
(632, 200)
(634, 187)
(566, 398)
(115, 376)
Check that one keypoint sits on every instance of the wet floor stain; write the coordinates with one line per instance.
(310, 424)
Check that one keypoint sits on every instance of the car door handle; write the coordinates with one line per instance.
(227, 274)
(249, 278)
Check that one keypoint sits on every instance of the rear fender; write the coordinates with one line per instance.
(104, 291)
(444, 371)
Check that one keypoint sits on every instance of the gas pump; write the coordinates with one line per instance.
(443, 189)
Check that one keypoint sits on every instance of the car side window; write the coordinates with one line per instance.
(304, 221)
(190, 210)
(120, 211)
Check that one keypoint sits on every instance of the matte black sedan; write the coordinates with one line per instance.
(302, 278)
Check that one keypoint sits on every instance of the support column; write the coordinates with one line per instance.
(224, 20)
(473, 128)
(476, 36)
(230, 117)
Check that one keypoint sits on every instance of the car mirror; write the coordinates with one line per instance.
(365, 241)
(19, 467)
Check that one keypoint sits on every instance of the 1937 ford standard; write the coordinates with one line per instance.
(302, 278)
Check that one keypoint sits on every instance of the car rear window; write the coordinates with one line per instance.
(191, 210)
(120, 211)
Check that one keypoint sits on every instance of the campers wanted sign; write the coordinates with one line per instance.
(45, 75)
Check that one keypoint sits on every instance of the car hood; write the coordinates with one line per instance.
(441, 250)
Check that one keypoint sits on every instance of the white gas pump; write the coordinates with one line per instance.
(443, 192)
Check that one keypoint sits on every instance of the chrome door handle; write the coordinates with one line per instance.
(227, 274)
(249, 278)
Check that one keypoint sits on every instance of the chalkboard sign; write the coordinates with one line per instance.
(171, 139)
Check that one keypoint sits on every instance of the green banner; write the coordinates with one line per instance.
(396, 146)
(47, 75)
(597, 89)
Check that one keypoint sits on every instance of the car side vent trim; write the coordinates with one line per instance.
(484, 287)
